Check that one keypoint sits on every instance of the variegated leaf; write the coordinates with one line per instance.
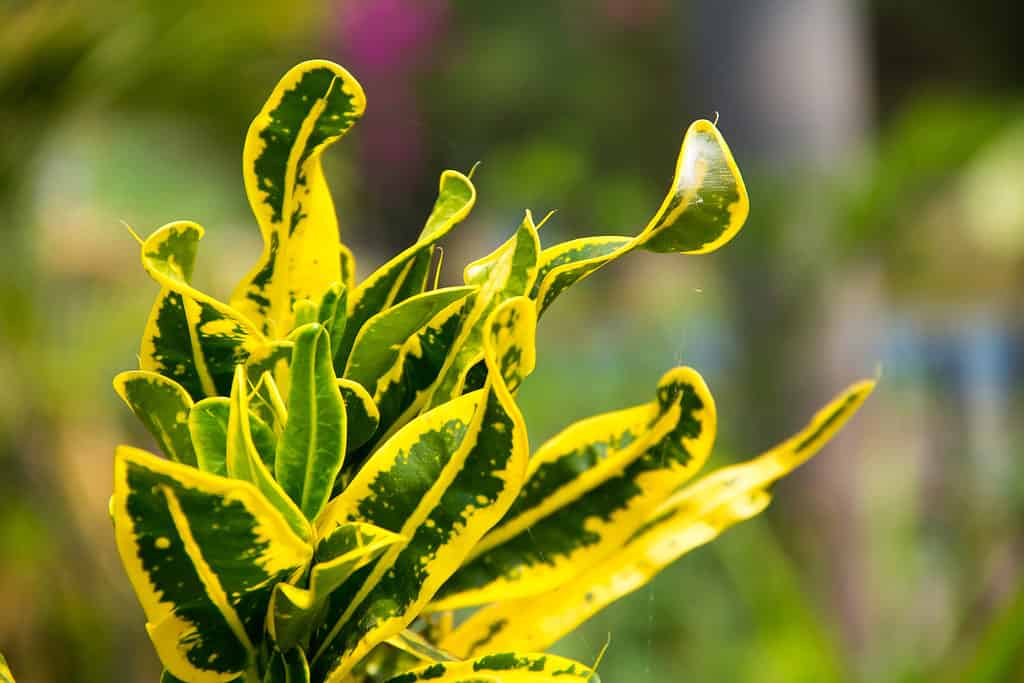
(190, 337)
(507, 272)
(163, 406)
(416, 645)
(265, 400)
(507, 667)
(348, 547)
(333, 312)
(202, 553)
(208, 428)
(5, 671)
(705, 207)
(312, 446)
(441, 482)
(405, 274)
(590, 487)
(361, 414)
(313, 106)
(244, 461)
(693, 516)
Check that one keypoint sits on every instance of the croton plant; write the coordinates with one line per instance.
(346, 465)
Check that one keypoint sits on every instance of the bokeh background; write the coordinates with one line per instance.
(883, 146)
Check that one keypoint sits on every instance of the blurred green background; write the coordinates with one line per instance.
(883, 146)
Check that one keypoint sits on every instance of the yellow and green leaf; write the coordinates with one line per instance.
(694, 515)
(312, 445)
(416, 645)
(441, 482)
(265, 400)
(163, 406)
(406, 274)
(5, 671)
(333, 312)
(203, 553)
(313, 106)
(244, 461)
(589, 489)
(361, 414)
(208, 428)
(347, 548)
(507, 272)
(506, 667)
(190, 337)
(705, 207)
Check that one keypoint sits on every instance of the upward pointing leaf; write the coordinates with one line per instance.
(441, 483)
(5, 671)
(313, 105)
(312, 446)
(405, 274)
(163, 407)
(208, 426)
(203, 553)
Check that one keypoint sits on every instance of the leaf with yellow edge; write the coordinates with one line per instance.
(163, 406)
(208, 428)
(190, 337)
(589, 489)
(705, 207)
(312, 445)
(694, 515)
(507, 272)
(333, 312)
(361, 413)
(202, 553)
(416, 645)
(244, 461)
(348, 547)
(441, 482)
(405, 275)
(5, 671)
(506, 667)
(312, 106)
(266, 401)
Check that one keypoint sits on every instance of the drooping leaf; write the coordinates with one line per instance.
(589, 489)
(507, 272)
(244, 461)
(190, 337)
(696, 514)
(387, 285)
(441, 482)
(312, 107)
(348, 547)
(202, 553)
(289, 666)
(312, 446)
(361, 413)
(208, 428)
(705, 207)
(507, 667)
(163, 406)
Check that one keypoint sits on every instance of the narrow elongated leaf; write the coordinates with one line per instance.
(705, 207)
(441, 482)
(163, 406)
(293, 610)
(333, 312)
(202, 553)
(416, 645)
(190, 337)
(361, 414)
(312, 107)
(265, 400)
(244, 462)
(208, 428)
(693, 516)
(592, 487)
(387, 285)
(506, 273)
(507, 667)
(5, 671)
(312, 446)
(289, 666)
